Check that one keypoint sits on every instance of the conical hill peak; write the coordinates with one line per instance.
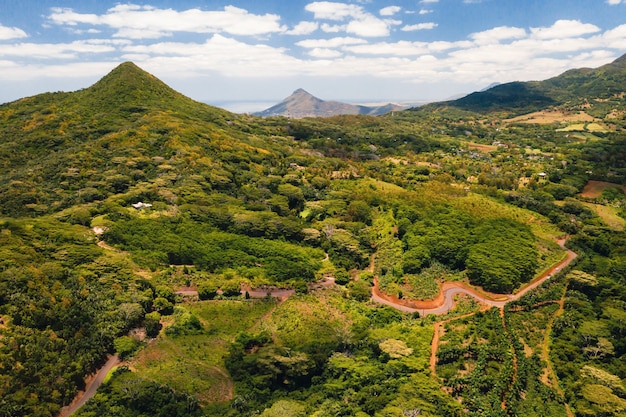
(128, 82)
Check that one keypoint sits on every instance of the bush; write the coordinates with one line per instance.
(163, 306)
(152, 323)
(125, 346)
(341, 276)
(207, 291)
(231, 288)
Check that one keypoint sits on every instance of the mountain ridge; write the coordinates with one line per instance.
(517, 97)
(302, 104)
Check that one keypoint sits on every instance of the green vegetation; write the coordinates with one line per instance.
(139, 222)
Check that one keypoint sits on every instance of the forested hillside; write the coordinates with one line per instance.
(229, 260)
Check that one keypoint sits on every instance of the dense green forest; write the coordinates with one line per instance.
(229, 260)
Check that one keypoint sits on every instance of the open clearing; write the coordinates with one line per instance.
(481, 147)
(608, 215)
(593, 189)
(546, 117)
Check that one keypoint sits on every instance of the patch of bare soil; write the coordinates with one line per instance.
(482, 147)
(593, 189)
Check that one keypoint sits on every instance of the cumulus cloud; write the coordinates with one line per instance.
(7, 33)
(390, 10)
(359, 21)
(564, 29)
(324, 53)
(330, 43)
(419, 26)
(368, 26)
(498, 34)
(333, 11)
(144, 22)
(304, 28)
(614, 2)
(328, 28)
(58, 50)
(220, 54)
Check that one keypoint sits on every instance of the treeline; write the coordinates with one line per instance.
(159, 243)
(127, 395)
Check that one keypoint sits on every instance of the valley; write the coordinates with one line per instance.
(464, 258)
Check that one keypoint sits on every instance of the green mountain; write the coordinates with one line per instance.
(570, 88)
(126, 129)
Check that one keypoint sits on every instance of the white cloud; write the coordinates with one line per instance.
(324, 53)
(304, 28)
(498, 34)
(368, 26)
(330, 43)
(58, 51)
(219, 54)
(614, 2)
(333, 28)
(616, 33)
(564, 29)
(7, 33)
(401, 48)
(419, 26)
(143, 22)
(404, 48)
(429, 1)
(390, 10)
(425, 11)
(359, 21)
(333, 11)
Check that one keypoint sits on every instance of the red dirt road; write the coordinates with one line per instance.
(444, 302)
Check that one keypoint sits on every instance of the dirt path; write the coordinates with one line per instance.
(515, 365)
(229, 389)
(92, 383)
(444, 302)
(550, 377)
(104, 245)
(434, 345)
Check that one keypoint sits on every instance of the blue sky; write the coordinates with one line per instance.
(256, 51)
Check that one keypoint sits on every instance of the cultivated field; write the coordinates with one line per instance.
(593, 189)
(546, 117)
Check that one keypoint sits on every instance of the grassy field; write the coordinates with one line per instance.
(194, 363)
(608, 215)
(481, 207)
(546, 117)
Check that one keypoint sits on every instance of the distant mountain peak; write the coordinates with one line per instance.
(301, 104)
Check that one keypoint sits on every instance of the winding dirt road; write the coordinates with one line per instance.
(444, 302)
(92, 383)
